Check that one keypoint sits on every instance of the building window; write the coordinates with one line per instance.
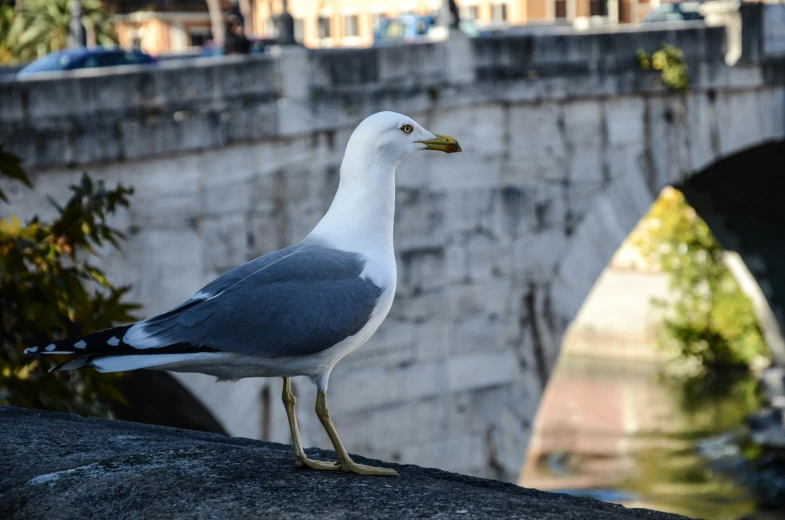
(199, 37)
(298, 30)
(351, 26)
(324, 27)
(499, 13)
(599, 7)
(560, 9)
(376, 21)
(470, 12)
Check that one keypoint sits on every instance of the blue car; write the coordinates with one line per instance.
(73, 59)
(413, 28)
(258, 46)
(675, 12)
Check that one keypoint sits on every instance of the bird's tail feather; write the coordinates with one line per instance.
(102, 342)
(107, 351)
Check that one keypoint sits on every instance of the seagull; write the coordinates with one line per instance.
(293, 312)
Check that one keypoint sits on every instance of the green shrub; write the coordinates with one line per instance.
(669, 61)
(50, 290)
(711, 321)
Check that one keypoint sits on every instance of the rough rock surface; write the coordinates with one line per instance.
(58, 466)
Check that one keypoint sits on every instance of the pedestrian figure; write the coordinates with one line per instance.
(235, 41)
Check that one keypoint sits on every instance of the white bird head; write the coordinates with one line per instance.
(361, 217)
(392, 137)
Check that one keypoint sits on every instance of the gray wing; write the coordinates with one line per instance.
(299, 303)
(238, 273)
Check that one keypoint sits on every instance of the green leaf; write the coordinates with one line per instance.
(11, 167)
(48, 291)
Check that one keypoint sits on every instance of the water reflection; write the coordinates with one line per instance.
(618, 431)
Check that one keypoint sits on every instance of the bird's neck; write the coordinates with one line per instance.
(362, 214)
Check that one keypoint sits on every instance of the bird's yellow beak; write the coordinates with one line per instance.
(442, 143)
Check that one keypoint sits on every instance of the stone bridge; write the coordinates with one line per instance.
(566, 144)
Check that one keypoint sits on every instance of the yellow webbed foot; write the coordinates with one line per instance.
(316, 464)
(349, 466)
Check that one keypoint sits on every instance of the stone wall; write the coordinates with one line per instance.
(497, 247)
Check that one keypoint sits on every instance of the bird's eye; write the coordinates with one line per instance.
(407, 129)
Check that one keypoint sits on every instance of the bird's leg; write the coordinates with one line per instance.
(300, 459)
(347, 464)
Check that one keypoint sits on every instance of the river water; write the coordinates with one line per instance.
(621, 432)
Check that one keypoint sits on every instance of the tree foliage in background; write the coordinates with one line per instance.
(50, 290)
(669, 61)
(6, 19)
(38, 27)
(710, 322)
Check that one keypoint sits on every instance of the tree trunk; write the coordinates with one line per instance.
(75, 26)
(216, 19)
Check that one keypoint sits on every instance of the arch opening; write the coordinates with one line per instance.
(609, 426)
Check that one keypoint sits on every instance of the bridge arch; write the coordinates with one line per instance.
(746, 166)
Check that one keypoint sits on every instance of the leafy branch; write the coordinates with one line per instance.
(50, 289)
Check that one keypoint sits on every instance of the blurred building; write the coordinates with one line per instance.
(347, 23)
(163, 26)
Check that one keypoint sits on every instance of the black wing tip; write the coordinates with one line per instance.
(101, 340)
(58, 347)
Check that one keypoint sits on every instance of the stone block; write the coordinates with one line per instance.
(460, 171)
(224, 241)
(418, 308)
(468, 211)
(475, 333)
(390, 428)
(265, 234)
(367, 388)
(456, 262)
(625, 121)
(392, 344)
(155, 135)
(514, 210)
(488, 298)
(170, 267)
(584, 123)
(740, 120)
(481, 370)
(419, 218)
(587, 166)
(580, 200)
(482, 252)
(482, 130)
(432, 340)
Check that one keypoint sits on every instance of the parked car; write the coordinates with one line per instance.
(407, 28)
(73, 59)
(675, 12)
(414, 28)
(216, 48)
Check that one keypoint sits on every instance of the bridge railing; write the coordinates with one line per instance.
(133, 112)
(599, 51)
(57, 99)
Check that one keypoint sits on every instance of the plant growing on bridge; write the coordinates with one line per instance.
(711, 322)
(49, 289)
(669, 61)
